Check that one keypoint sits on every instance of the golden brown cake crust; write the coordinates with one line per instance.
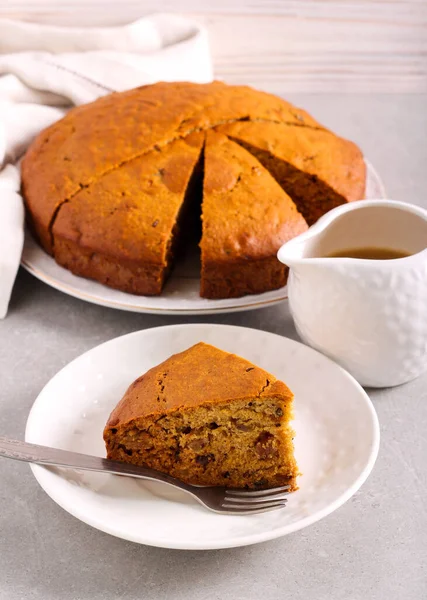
(202, 371)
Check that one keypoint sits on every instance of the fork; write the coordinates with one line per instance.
(217, 499)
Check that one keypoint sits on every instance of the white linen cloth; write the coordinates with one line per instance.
(44, 70)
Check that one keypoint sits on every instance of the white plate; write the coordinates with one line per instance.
(181, 294)
(337, 438)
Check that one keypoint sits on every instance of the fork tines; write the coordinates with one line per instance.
(255, 500)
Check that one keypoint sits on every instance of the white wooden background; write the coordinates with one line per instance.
(280, 45)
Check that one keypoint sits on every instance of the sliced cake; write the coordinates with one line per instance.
(97, 138)
(123, 230)
(246, 217)
(318, 169)
(207, 417)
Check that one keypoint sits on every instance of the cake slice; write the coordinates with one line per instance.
(123, 230)
(246, 217)
(318, 169)
(207, 417)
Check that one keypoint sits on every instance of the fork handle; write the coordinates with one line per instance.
(43, 455)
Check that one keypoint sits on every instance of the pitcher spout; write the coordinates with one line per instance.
(294, 252)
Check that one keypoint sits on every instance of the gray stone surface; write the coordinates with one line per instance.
(374, 547)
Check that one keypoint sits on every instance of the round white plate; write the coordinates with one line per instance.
(336, 443)
(181, 293)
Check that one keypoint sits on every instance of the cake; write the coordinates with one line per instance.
(96, 181)
(207, 417)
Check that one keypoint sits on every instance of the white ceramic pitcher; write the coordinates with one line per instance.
(370, 316)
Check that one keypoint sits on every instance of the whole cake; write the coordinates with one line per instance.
(114, 188)
(207, 417)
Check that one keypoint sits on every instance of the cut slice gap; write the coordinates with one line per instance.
(187, 259)
(187, 231)
(189, 222)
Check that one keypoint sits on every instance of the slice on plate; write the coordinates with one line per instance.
(246, 217)
(318, 169)
(207, 417)
(123, 229)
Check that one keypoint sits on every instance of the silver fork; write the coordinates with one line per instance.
(218, 499)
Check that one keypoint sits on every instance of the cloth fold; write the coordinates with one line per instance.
(44, 70)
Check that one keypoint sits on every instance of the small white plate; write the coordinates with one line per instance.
(337, 438)
(181, 293)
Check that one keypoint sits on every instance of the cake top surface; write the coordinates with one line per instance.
(203, 374)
